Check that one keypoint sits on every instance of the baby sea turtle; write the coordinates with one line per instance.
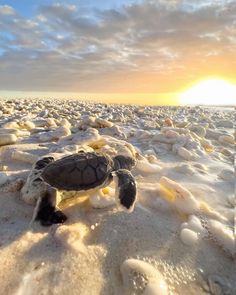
(84, 171)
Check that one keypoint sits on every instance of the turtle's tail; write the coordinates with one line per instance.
(36, 209)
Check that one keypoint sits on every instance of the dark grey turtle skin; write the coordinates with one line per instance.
(81, 172)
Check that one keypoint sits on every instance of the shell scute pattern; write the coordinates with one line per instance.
(94, 162)
(89, 175)
(82, 171)
(101, 170)
(81, 163)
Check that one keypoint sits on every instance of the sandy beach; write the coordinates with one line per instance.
(180, 237)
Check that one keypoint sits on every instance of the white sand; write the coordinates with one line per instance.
(183, 221)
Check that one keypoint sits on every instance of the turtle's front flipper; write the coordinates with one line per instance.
(125, 189)
(45, 211)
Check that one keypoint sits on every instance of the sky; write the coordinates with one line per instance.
(130, 51)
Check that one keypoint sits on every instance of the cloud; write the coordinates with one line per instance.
(149, 46)
(6, 10)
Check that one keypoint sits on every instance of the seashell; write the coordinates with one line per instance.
(103, 123)
(206, 144)
(223, 235)
(163, 139)
(50, 122)
(146, 167)
(11, 125)
(64, 122)
(226, 139)
(168, 122)
(27, 125)
(3, 178)
(188, 236)
(185, 154)
(87, 137)
(24, 157)
(199, 130)
(6, 139)
(60, 132)
(102, 198)
(179, 196)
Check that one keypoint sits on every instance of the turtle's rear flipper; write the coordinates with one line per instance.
(58, 217)
(125, 189)
(48, 216)
(45, 211)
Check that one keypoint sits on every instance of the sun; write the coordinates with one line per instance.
(210, 92)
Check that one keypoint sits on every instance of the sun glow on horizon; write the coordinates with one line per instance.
(210, 92)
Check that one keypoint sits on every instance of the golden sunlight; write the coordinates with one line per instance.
(210, 92)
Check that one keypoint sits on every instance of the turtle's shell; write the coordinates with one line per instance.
(77, 172)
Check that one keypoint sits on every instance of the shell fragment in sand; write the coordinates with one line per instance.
(6, 139)
(188, 236)
(3, 178)
(102, 198)
(184, 201)
(150, 280)
(146, 167)
(223, 235)
(24, 157)
(195, 225)
(175, 193)
(185, 154)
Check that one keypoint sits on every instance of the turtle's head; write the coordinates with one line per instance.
(42, 163)
(123, 162)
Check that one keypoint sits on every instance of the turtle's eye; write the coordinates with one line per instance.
(48, 159)
(40, 164)
(38, 180)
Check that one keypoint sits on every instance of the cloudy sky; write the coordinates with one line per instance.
(122, 49)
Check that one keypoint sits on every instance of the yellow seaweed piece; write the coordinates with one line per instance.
(72, 202)
(105, 190)
(168, 194)
(204, 207)
(208, 149)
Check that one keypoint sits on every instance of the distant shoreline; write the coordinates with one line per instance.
(112, 103)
